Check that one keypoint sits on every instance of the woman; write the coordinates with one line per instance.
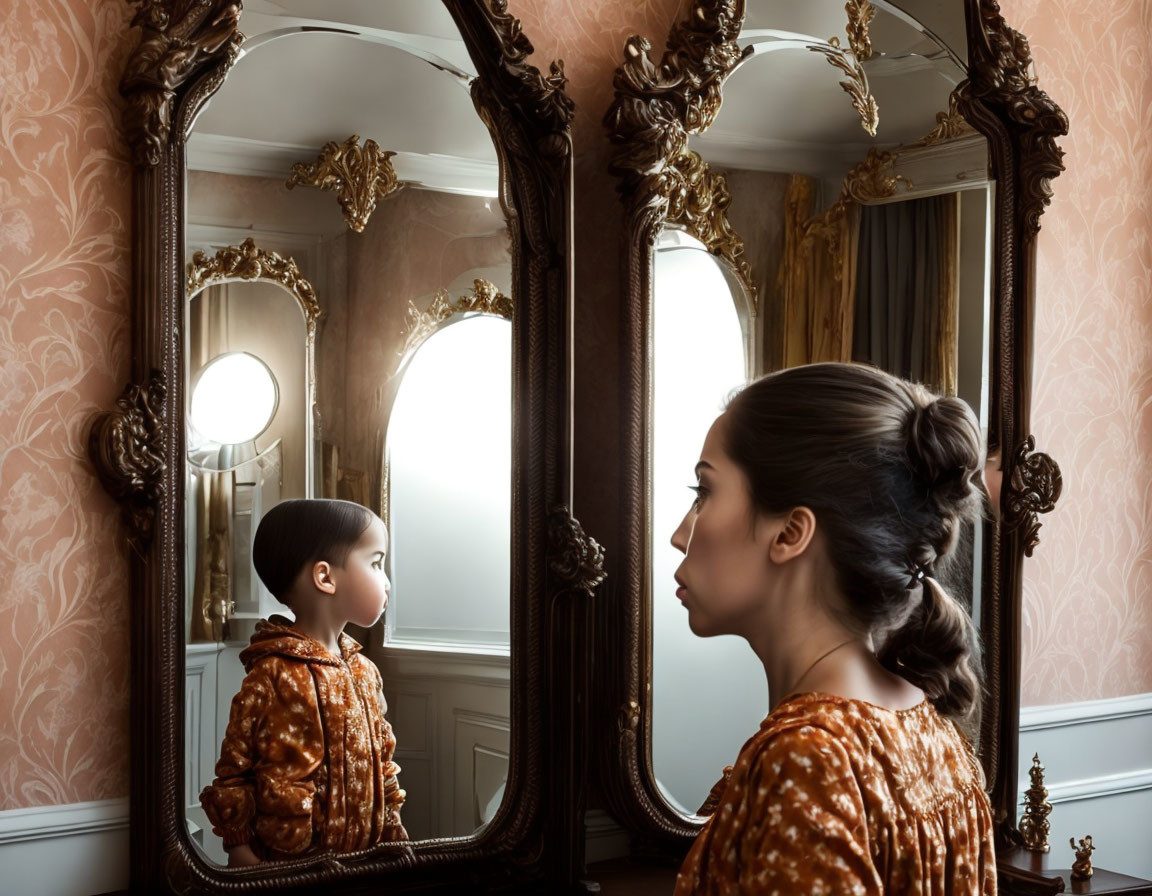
(829, 497)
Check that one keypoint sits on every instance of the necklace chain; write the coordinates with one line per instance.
(816, 662)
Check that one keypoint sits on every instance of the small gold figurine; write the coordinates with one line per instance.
(1082, 867)
(1034, 826)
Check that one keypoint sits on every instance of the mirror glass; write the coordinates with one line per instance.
(864, 210)
(352, 295)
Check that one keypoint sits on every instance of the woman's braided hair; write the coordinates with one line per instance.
(893, 475)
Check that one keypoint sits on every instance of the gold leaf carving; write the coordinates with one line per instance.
(698, 200)
(249, 262)
(856, 85)
(360, 175)
(860, 15)
(949, 126)
(485, 298)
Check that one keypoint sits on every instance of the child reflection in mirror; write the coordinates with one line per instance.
(306, 763)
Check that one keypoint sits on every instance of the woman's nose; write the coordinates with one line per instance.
(682, 537)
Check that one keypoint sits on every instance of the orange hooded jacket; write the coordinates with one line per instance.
(306, 763)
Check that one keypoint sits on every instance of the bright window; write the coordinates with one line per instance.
(450, 472)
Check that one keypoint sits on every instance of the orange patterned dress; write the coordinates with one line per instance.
(306, 762)
(838, 796)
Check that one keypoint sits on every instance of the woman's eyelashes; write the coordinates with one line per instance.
(701, 493)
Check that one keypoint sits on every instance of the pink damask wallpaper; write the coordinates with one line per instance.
(64, 220)
(1088, 589)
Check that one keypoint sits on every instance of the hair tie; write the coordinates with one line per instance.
(918, 574)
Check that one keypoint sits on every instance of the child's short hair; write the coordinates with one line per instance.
(297, 533)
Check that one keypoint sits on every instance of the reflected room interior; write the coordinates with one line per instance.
(850, 220)
(351, 249)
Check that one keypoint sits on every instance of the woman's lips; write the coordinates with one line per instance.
(682, 593)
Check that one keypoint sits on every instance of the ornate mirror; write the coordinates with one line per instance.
(351, 227)
(811, 182)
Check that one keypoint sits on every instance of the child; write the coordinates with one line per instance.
(306, 764)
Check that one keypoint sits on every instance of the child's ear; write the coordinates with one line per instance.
(322, 577)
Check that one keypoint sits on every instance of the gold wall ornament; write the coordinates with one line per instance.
(485, 298)
(860, 15)
(949, 125)
(1034, 826)
(856, 85)
(249, 262)
(1082, 867)
(360, 175)
(698, 200)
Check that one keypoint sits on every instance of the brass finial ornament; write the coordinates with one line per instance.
(1034, 826)
(1082, 867)
(360, 175)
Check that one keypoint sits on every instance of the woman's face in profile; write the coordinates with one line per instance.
(724, 575)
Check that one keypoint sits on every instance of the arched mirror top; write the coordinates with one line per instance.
(248, 262)
(864, 100)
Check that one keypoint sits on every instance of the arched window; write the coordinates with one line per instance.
(449, 473)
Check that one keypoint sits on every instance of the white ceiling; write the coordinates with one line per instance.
(311, 71)
(784, 109)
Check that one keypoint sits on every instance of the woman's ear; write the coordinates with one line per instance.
(793, 535)
(322, 578)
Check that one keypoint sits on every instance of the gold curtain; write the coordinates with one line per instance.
(817, 279)
(941, 375)
(212, 588)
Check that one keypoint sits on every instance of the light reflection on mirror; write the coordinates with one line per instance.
(399, 74)
(855, 256)
(450, 532)
(699, 358)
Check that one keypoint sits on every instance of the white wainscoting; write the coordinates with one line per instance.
(450, 711)
(1097, 757)
(79, 849)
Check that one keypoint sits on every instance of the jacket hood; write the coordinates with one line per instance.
(276, 637)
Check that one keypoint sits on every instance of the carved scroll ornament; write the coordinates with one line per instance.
(177, 41)
(657, 107)
(1000, 70)
(360, 175)
(1033, 487)
(126, 448)
(574, 558)
(542, 96)
(249, 262)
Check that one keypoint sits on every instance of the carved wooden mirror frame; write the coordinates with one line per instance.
(657, 105)
(184, 54)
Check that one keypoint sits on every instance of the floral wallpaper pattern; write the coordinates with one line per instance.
(64, 218)
(1092, 409)
(64, 271)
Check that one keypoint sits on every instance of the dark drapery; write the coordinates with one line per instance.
(906, 301)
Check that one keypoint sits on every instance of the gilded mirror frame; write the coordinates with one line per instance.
(658, 104)
(184, 53)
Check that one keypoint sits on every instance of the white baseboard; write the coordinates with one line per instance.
(78, 849)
